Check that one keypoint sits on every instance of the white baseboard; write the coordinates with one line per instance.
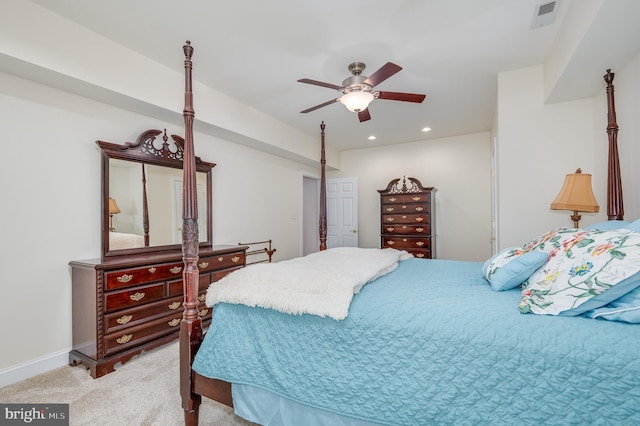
(32, 368)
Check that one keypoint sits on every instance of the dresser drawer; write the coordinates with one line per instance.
(136, 335)
(406, 243)
(405, 218)
(407, 229)
(134, 297)
(218, 275)
(133, 277)
(176, 287)
(213, 263)
(133, 316)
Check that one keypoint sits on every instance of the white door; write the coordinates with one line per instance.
(342, 212)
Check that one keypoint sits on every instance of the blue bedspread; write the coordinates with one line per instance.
(431, 343)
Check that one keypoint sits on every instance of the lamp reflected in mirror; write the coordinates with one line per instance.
(113, 209)
(576, 195)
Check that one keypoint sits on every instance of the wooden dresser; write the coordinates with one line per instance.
(126, 305)
(407, 217)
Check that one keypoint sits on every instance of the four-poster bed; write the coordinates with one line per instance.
(426, 343)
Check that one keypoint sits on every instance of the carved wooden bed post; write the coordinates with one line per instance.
(145, 206)
(191, 325)
(323, 193)
(615, 208)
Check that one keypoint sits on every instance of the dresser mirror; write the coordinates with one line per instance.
(142, 195)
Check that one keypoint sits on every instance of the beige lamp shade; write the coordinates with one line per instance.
(113, 206)
(576, 194)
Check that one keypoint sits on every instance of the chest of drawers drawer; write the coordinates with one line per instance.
(405, 198)
(407, 229)
(406, 242)
(404, 218)
(404, 208)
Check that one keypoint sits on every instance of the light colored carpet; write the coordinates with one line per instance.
(143, 391)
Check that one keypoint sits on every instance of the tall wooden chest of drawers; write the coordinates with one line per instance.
(407, 217)
(124, 306)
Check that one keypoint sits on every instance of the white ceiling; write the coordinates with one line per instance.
(254, 51)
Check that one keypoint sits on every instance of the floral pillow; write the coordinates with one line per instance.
(552, 240)
(585, 270)
(511, 267)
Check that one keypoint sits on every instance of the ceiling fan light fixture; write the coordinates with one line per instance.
(357, 101)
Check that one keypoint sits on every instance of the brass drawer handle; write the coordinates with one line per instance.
(419, 243)
(220, 259)
(174, 306)
(416, 198)
(419, 209)
(125, 278)
(152, 270)
(419, 255)
(124, 319)
(203, 265)
(137, 297)
(390, 219)
(174, 322)
(390, 209)
(391, 243)
(392, 199)
(203, 312)
(235, 259)
(175, 269)
(202, 297)
(390, 229)
(419, 219)
(404, 240)
(419, 229)
(124, 338)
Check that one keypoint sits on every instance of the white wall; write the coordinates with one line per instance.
(50, 173)
(458, 167)
(537, 146)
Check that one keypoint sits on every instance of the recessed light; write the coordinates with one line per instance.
(372, 138)
(426, 129)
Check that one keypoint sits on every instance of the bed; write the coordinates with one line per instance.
(417, 342)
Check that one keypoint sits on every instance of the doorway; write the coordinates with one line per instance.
(342, 213)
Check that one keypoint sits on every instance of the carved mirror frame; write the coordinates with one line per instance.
(146, 150)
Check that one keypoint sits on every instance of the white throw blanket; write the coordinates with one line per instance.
(320, 284)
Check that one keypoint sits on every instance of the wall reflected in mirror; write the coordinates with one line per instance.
(127, 183)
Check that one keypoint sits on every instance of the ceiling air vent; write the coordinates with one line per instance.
(545, 14)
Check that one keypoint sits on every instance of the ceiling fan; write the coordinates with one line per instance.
(357, 90)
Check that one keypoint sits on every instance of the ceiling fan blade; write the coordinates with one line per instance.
(332, 101)
(319, 83)
(364, 115)
(386, 71)
(405, 97)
